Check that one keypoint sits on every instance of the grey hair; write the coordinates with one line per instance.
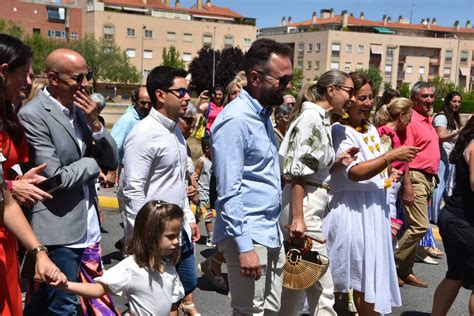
(99, 100)
(415, 90)
(281, 110)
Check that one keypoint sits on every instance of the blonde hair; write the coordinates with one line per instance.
(37, 86)
(391, 112)
(239, 80)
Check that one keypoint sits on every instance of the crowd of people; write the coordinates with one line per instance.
(364, 183)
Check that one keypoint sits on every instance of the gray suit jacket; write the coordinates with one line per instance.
(51, 139)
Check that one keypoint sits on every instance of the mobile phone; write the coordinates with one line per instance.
(52, 184)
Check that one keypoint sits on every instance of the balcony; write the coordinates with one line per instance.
(401, 76)
(434, 61)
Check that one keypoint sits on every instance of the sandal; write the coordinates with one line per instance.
(188, 309)
(216, 279)
(434, 252)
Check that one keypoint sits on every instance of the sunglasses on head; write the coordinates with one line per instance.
(181, 92)
(283, 81)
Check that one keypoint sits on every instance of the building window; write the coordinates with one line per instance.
(171, 36)
(130, 32)
(334, 65)
(360, 66)
(421, 70)
(317, 48)
(36, 31)
(109, 32)
(148, 34)
(300, 64)
(335, 48)
(130, 52)
(74, 36)
(310, 47)
(56, 14)
(309, 65)
(448, 57)
(464, 56)
(146, 72)
(316, 65)
(187, 57)
(247, 42)
(188, 37)
(388, 69)
(349, 48)
(228, 40)
(360, 49)
(409, 70)
(347, 66)
(56, 34)
(447, 71)
(207, 40)
(148, 54)
(390, 52)
(301, 47)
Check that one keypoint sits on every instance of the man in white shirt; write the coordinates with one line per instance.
(63, 130)
(155, 161)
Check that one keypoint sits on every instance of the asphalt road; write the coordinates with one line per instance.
(416, 301)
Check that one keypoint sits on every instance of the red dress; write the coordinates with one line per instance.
(10, 293)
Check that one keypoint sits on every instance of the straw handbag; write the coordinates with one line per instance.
(303, 267)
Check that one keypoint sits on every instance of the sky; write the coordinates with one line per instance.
(269, 12)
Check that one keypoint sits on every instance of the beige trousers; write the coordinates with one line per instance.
(416, 216)
(321, 295)
(250, 297)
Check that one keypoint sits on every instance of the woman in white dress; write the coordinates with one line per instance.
(357, 226)
(307, 155)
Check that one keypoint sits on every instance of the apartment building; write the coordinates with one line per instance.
(48, 18)
(402, 51)
(144, 27)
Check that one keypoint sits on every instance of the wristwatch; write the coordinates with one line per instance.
(38, 249)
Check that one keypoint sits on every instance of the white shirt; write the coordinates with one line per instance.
(92, 234)
(155, 166)
(148, 292)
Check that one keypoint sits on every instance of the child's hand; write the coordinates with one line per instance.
(58, 281)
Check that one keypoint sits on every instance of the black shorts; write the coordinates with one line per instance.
(458, 240)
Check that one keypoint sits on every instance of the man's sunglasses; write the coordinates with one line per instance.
(181, 92)
(80, 77)
(283, 81)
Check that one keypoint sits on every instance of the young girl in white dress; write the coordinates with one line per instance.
(147, 276)
(357, 226)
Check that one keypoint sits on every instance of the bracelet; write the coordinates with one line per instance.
(38, 249)
(387, 163)
(10, 185)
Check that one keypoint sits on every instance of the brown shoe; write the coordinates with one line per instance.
(414, 281)
(400, 282)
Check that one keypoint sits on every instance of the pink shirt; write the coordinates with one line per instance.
(213, 112)
(396, 142)
(421, 133)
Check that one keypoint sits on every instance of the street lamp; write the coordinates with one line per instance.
(142, 52)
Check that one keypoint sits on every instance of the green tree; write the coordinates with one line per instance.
(296, 82)
(443, 87)
(172, 58)
(41, 48)
(375, 75)
(404, 90)
(11, 28)
(106, 60)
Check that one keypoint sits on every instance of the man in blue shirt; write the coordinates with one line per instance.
(141, 106)
(245, 162)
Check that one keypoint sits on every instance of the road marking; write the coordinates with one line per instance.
(108, 202)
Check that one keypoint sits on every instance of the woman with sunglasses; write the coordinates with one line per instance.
(358, 224)
(15, 61)
(307, 156)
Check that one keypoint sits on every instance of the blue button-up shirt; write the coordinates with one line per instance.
(123, 127)
(245, 163)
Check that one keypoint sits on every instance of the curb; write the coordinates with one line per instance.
(111, 202)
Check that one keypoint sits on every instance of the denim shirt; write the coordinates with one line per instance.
(123, 127)
(245, 163)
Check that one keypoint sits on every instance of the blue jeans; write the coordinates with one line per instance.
(49, 301)
(186, 266)
(444, 173)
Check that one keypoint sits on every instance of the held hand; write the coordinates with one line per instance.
(34, 173)
(195, 232)
(395, 176)
(297, 228)
(26, 193)
(403, 153)
(89, 107)
(250, 265)
(48, 271)
(107, 180)
(191, 191)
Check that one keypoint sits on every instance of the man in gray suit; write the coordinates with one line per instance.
(64, 131)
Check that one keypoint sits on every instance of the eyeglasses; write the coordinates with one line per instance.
(181, 92)
(283, 81)
(348, 90)
(144, 103)
(79, 79)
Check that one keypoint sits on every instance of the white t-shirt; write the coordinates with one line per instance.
(440, 120)
(149, 293)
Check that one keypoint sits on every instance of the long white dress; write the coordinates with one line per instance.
(357, 226)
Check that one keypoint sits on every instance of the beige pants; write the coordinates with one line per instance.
(250, 297)
(416, 216)
(321, 295)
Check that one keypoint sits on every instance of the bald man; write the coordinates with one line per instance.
(63, 130)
